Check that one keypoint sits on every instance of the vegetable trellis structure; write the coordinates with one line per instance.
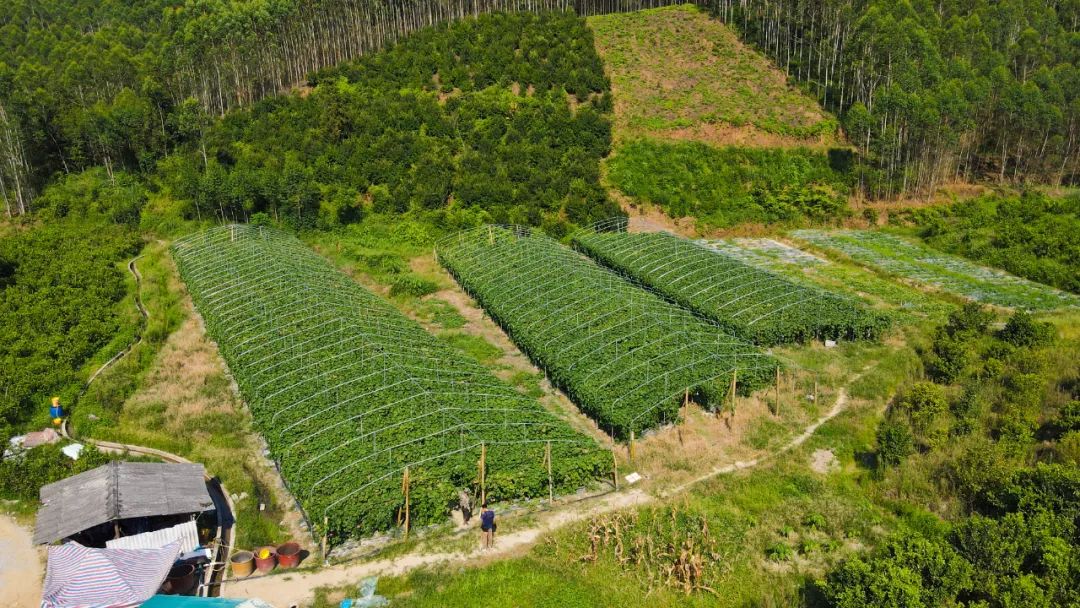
(624, 355)
(348, 392)
(753, 303)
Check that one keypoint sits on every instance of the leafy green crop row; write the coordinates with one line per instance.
(622, 354)
(753, 303)
(917, 262)
(348, 392)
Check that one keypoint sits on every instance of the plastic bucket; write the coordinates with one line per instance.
(243, 563)
(288, 555)
(265, 564)
(181, 579)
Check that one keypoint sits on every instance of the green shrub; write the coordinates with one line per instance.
(895, 442)
(727, 186)
(779, 552)
(23, 474)
(1022, 330)
(412, 285)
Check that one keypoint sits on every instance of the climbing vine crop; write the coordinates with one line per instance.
(753, 303)
(348, 392)
(625, 356)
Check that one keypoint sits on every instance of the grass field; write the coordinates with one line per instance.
(678, 74)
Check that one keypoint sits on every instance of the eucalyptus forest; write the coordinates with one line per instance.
(729, 303)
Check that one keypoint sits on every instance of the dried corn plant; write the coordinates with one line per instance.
(668, 547)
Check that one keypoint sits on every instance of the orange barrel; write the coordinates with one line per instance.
(243, 563)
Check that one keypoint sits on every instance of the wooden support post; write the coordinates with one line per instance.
(614, 468)
(685, 411)
(325, 533)
(483, 473)
(631, 448)
(734, 376)
(777, 412)
(815, 390)
(405, 490)
(551, 484)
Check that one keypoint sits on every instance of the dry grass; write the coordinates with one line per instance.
(187, 380)
(678, 74)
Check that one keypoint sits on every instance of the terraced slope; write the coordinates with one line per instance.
(677, 73)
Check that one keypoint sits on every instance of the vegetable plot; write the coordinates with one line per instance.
(928, 266)
(753, 303)
(624, 355)
(348, 392)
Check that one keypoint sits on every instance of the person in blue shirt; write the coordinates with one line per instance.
(487, 526)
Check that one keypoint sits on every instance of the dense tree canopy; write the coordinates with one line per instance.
(933, 91)
(500, 118)
(121, 84)
(1034, 236)
(59, 284)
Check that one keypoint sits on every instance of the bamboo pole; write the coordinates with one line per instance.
(777, 412)
(483, 470)
(326, 531)
(734, 375)
(551, 484)
(405, 490)
(685, 410)
(631, 448)
(614, 468)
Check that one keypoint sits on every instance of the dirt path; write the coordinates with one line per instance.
(20, 566)
(296, 589)
(808, 432)
(138, 337)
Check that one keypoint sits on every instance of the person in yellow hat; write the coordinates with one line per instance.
(56, 411)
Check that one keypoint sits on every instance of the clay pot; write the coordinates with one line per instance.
(243, 563)
(265, 564)
(288, 555)
(180, 581)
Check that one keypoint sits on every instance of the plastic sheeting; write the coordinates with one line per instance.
(84, 577)
(186, 534)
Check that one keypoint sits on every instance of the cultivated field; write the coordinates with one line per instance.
(625, 356)
(754, 304)
(921, 264)
(349, 393)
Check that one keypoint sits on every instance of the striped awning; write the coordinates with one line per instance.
(84, 577)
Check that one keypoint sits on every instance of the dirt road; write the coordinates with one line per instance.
(20, 566)
(297, 589)
(286, 590)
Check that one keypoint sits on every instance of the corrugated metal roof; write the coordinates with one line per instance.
(119, 490)
(186, 533)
